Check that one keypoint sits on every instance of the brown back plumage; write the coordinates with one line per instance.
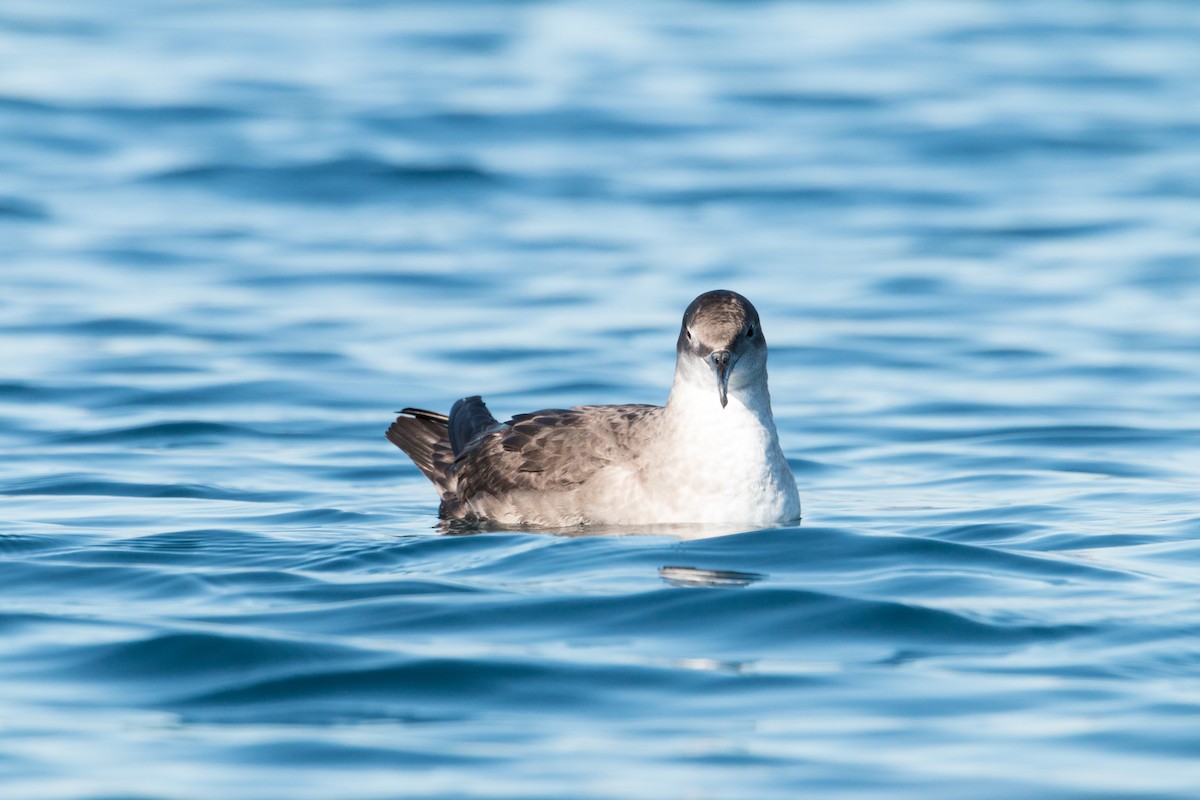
(547, 451)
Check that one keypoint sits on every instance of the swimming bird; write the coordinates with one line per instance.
(710, 455)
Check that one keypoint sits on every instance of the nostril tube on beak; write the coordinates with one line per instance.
(722, 362)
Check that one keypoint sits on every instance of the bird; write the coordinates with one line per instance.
(710, 455)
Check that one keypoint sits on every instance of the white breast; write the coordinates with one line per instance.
(714, 464)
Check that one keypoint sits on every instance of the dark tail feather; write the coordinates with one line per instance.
(423, 436)
(468, 419)
(419, 413)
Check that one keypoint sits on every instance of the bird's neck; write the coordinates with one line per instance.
(694, 398)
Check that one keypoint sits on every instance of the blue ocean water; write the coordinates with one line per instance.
(236, 237)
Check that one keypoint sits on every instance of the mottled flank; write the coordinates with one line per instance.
(553, 450)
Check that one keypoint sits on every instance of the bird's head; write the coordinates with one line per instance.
(721, 342)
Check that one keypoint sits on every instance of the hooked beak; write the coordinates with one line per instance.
(722, 363)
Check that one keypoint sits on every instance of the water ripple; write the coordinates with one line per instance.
(342, 180)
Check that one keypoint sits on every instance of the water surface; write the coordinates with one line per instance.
(236, 237)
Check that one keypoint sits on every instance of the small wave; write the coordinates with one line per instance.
(842, 551)
(167, 114)
(120, 326)
(79, 484)
(14, 545)
(765, 620)
(319, 517)
(990, 533)
(395, 279)
(217, 395)
(27, 105)
(152, 258)
(345, 756)
(1003, 144)
(193, 544)
(163, 661)
(339, 180)
(444, 688)
(20, 210)
(30, 391)
(836, 101)
(1052, 436)
(579, 124)
(77, 582)
(960, 235)
(188, 432)
(767, 195)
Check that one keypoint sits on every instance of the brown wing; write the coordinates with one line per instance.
(550, 450)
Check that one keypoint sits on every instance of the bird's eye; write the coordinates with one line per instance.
(750, 332)
(689, 334)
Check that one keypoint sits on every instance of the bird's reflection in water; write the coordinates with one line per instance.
(712, 578)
